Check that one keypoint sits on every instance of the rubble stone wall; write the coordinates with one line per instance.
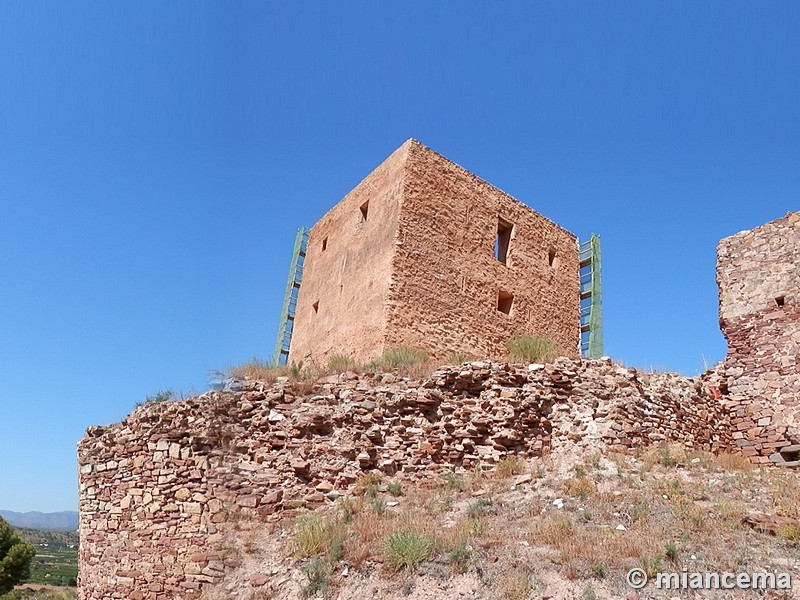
(758, 273)
(160, 492)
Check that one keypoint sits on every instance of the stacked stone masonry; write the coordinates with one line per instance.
(424, 254)
(161, 491)
(758, 273)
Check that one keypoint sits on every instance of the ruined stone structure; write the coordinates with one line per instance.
(758, 273)
(424, 254)
(161, 492)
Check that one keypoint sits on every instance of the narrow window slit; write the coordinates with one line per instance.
(315, 306)
(502, 242)
(324, 244)
(364, 208)
(551, 257)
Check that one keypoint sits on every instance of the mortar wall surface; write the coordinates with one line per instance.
(447, 278)
(349, 280)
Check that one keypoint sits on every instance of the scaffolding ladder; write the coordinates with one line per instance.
(286, 323)
(591, 301)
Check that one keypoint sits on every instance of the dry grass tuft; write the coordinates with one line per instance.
(733, 462)
(509, 466)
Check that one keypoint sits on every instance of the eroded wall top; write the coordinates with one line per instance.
(758, 269)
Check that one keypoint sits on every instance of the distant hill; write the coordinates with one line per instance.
(66, 520)
(41, 537)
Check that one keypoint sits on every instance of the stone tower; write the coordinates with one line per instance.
(758, 273)
(424, 254)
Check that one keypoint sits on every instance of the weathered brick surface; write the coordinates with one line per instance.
(758, 273)
(421, 271)
(161, 491)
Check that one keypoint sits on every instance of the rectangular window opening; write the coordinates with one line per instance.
(505, 300)
(551, 257)
(324, 244)
(315, 306)
(780, 300)
(364, 210)
(502, 242)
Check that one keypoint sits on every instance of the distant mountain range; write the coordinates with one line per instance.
(66, 520)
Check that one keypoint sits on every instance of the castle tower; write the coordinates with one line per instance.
(758, 273)
(424, 254)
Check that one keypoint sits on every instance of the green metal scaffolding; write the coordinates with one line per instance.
(591, 299)
(286, 324)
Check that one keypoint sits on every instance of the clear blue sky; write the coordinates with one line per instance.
(157, 158)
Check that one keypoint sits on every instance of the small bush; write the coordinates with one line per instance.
(407, 549)
(477, 508)
(314, 534)
(379, 506)
(340, 363)
(460, 557)
(667, 460)
(580, 487)
(395, 488)
(318, 577)
(671, 551)
(651, 565)
(158, 397)
(454, 481)
(598, 571)
(531, 349)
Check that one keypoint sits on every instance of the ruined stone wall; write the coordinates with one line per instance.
(758, 273)
(161, 492)
(420, 270)
(341, 307)
(447, 279)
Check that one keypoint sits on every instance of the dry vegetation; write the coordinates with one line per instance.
(562, 527)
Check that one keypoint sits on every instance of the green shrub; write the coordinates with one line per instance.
(477, 508)
(651, 565)
(460, 557)
(379, 506)
(454, 481)
(406, 549)
(598, 571)
(159, 396)
(318, 576)
(395, 488)
(667, 460)
(531, 349)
